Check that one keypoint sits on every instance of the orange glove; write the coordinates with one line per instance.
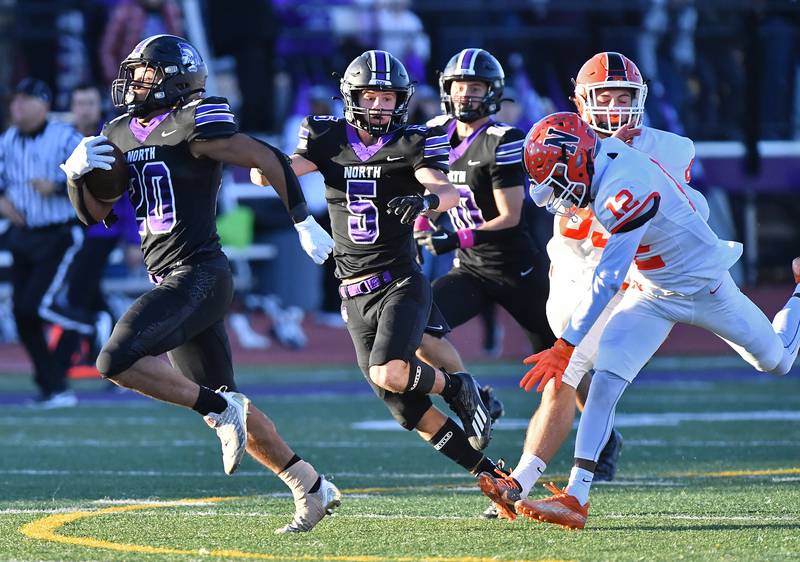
(550, 364)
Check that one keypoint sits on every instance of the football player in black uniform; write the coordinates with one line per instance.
(495, 258)
(380, 174)
(175, 142)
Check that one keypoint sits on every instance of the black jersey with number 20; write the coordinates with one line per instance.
(361, 180)
(174, 193)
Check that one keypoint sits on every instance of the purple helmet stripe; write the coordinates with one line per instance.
(382, 64)
(466, 61)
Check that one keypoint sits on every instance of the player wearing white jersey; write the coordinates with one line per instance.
(681, 276)
(609, 95)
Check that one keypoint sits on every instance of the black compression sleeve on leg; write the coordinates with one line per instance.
(452, 442)
(421, 377)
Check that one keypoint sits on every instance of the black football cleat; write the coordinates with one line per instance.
(470, 409)
(607, 463)
(492, 403)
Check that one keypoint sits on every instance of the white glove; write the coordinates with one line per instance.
(315, 241)
(88, 155)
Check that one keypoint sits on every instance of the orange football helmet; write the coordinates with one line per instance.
(603, 71)
(559, 157)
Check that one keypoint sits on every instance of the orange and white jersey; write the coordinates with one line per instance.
(652, 223)
(674, 152)
(678, 251)
(578, 241)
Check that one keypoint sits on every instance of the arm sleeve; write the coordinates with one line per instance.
(506, 169)
(433, 150)
(213, 119)
(608, 277)
(295, 200)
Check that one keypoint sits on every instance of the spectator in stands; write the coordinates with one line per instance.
(130, 22)
(246, 31)
(44, 235)
(400, 32)
(86, 110)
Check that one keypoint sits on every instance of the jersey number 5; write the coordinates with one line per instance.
(362, 224)
(153, 198)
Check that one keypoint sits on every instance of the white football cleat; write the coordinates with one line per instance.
(231, 428)
(311, 508)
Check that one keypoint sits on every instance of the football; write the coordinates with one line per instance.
(109, 185)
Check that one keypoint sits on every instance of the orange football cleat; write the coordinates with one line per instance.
(796, 269)
(560, 509)
(504, 492)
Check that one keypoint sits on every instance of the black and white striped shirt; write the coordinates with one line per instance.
(29, 157)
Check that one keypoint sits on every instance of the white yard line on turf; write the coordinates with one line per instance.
(667, 419)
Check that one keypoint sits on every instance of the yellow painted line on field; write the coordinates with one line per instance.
(46, 529)
(735, 473)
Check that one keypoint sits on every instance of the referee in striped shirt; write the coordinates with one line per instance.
(44, 235)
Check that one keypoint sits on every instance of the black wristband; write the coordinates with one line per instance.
(433, 201)
(299, 213)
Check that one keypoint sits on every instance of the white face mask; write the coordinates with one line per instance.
(557, 194)
(609, 119)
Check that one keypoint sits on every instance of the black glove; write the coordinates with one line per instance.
(438, 242)
(410, 206)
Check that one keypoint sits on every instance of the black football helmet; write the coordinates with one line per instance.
(375, 70)
(472, 64)
(179, 73)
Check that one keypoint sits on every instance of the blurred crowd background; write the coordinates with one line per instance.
(724, 72)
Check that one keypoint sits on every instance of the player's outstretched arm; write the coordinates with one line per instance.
(242, 150)
(300, 166)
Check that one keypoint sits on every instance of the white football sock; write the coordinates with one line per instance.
(580, 481)
(787, 325)
(527, 472)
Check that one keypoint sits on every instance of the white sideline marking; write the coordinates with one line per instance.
(107, 501)
(668, 419)
(80, 420)
(181, 443)
(715, 443)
